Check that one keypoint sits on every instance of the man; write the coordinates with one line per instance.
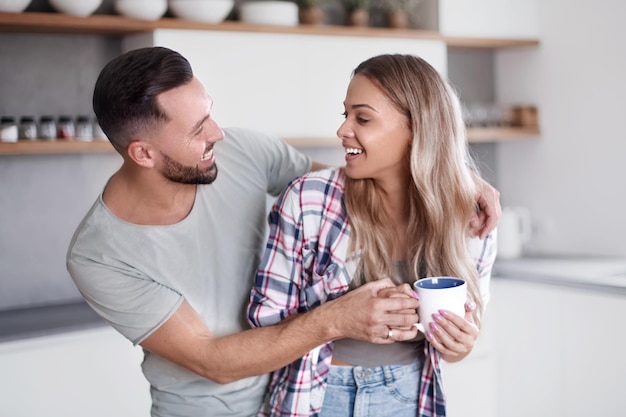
(168, 252)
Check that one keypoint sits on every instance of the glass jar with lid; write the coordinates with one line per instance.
(8, 129)
(47, 128)
(27, 128)
(66, 128)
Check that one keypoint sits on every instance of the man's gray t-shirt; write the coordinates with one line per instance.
(136, 276)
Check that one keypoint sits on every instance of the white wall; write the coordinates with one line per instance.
(572, 178)
(489, 18)
(264, 81)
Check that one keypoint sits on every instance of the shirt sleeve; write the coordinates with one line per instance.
(288, 164)
(304, 264)
(279, 161)
(484, 253)
(129, 300)
(135, 309)
(274, 295)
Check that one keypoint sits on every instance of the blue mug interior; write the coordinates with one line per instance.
(439, 282)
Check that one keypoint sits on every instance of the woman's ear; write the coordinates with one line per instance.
(142, 153)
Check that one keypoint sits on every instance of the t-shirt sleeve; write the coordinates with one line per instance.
(132, 303)
(287, 164)
(280, 161)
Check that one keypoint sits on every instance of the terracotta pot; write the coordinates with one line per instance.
(398, 20)
(312, 15)
(358, 17)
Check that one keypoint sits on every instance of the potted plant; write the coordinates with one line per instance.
(357, 12)
(310, 12)
(398, 12)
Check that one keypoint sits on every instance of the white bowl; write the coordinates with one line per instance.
(284, 13)
(76, 7)
(14, 6)
(141, 9)
(208, 11)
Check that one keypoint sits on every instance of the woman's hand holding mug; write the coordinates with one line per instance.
(446, 316)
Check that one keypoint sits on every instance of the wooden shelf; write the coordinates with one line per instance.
(475, 135)
(113, 25)
(488, 43)
(500, 134)
(320, 142)
(54, 147)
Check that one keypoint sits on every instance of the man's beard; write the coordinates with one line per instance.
(177, 172)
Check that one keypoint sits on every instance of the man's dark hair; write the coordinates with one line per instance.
(124, 97)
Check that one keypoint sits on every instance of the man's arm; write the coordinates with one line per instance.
(185, 339)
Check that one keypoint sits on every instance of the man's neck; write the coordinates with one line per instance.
(146, 198)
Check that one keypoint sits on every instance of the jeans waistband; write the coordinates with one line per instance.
(359, 375)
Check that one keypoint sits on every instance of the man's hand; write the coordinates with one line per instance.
(488, 209)
(370, 311)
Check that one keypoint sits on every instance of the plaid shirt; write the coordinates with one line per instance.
(306, 264)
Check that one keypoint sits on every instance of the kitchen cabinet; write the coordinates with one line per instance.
(558, 350)
(470, 385)
(549, 347)
(93, 373)
(354, 44)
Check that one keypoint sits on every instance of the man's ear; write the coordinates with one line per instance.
(142, 153)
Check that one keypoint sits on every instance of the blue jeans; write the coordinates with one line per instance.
(390, 390)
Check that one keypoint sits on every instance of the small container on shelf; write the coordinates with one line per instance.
(524, 116)
(84, 129)
(487, 114)
(66, 128)
(8, 129)
(47, 128)
(27, 129)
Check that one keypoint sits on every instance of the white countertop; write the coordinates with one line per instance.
(25, 323)
(589, 272)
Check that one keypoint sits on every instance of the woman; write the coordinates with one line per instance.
(400, 208)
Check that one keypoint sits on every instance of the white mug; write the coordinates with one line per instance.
(439, 293)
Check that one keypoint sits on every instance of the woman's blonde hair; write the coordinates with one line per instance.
(442, 193)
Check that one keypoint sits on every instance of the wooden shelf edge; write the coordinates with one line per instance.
(32, 22)
(475, 135)
(313, 142)
(54, 147)
(114, 25)
(500, 134)
(488, 43)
